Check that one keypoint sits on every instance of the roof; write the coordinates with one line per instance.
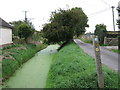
(4, 23)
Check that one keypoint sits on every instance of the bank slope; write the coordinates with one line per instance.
(72, 68)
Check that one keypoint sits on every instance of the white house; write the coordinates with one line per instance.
(5, 33)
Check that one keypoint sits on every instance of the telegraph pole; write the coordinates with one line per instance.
(113, 17)
(25, 15)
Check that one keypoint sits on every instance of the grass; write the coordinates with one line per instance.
(87, 40)
(116, 50)
(72, 68)
(16, 55)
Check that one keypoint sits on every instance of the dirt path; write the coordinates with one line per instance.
(33, 74)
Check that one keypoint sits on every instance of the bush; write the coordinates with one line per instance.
(24, 31)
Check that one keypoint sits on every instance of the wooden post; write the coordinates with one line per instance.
(98, 62)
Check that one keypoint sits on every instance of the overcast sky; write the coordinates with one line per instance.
(98, 11)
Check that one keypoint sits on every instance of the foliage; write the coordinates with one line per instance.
(16, 55)
(37, 36)
(101, 31)
(118, 21)
(116, 50)
(15, 25)
(64, 24)
(72, 68)
(119, 42)
(24, 31)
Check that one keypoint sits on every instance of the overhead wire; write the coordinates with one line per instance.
(106, 3)
(99, 12)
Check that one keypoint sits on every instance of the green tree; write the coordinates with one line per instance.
(15, 25)
(24, 31)
(64, 24)
(118, 21)
(101, 31)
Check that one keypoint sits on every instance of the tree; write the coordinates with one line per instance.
(15, 25)
(118, 21)
(64, 24)
(101, 31)
(24, 31)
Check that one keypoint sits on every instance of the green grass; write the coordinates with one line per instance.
(72, 68)
(116, 50)
(16, 55)
(87, 40)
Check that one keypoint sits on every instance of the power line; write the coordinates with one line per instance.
(99, 12)
(106, 3)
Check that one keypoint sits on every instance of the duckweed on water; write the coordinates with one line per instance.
(33, 73)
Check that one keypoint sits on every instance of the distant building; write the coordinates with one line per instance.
(5, 33)
(113, 34)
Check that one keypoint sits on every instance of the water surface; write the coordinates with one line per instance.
(33, 73)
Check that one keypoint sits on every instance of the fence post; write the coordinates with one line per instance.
(98, 62)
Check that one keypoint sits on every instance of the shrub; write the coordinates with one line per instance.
(24, 31)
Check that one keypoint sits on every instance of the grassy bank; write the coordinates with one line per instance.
(72, 68)
(116, 50)
(15, 55)
(87, 40)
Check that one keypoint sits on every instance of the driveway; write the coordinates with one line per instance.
(108, 58)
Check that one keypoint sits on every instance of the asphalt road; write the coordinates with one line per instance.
(108, 58)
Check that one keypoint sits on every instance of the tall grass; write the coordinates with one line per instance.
(72, 68)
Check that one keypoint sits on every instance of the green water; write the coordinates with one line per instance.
(33, 74)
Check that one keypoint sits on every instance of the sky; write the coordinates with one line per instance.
(39, 11)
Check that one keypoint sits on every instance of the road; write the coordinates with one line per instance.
(108, 58)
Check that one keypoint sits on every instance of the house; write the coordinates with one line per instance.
(5, 33)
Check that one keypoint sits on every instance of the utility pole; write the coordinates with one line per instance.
(113, 17)
(25, 15)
